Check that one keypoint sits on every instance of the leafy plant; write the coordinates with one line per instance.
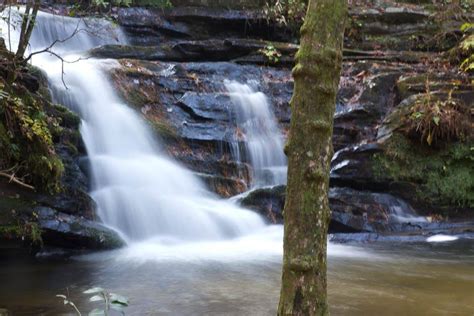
(103, 3)
(110, 301)
(271, 53)
(436, 120)
(286, 12)
(466, 48)
(67, 301)
(26, 139)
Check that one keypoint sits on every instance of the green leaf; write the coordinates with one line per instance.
(118, 299)
(466, 27)
(97, 312)
(94, 290)
(436, 120)
(118, 308)
(96, 298)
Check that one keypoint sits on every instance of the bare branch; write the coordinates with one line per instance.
(14, 179)
(63, 61)
(48, 49)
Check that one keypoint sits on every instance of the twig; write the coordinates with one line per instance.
(56, 41)
(14, 179)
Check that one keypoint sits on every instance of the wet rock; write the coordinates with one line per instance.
(63, 230)
(202, 50)
(224, 186)
(361, 211)
(141, 22)
(190, 99)
(267, 201)
(352, 167)
(421, 234)
(352, 210)
(149, 26)
(205, 106)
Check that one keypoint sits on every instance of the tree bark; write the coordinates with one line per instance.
(309, 150)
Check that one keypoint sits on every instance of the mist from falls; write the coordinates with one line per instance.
(258, 139)
(137, 188)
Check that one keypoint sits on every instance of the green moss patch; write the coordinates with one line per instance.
(445, 176)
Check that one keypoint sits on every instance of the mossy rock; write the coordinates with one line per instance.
(443, 176)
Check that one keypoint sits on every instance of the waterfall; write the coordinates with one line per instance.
(257, 131)
(137, 188)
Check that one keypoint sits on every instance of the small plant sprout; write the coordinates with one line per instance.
(110, 301)
(271, 53)
(67, 301)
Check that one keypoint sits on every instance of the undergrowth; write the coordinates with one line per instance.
(434, 120)
(444, 175)
(26, 139)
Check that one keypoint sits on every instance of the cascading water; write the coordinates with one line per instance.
(138, 190)
(258, 131)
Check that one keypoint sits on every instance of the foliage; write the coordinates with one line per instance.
(466, 48)
(463, 53)
(271, 53)
(27, 231)
(286, 12)
(26, 140)
(435, 120)
(154, 3)
(444, 176)
(110, 301)
(466, 27)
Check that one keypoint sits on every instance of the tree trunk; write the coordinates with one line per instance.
(309, 150)
(27, 26)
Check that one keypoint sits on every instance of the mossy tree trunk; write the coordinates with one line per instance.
(309, 150)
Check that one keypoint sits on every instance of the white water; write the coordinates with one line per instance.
(257, 129)
(441, 238)
(138, 190)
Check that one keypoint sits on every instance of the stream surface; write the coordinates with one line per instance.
(364, 279)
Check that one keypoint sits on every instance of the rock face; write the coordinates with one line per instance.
(174, 69)
(187, 105)
(19, 220)
(352, 210)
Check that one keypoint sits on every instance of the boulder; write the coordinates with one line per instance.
(67, 231)
(267, 201)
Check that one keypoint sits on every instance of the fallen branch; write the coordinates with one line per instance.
(14, 179)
